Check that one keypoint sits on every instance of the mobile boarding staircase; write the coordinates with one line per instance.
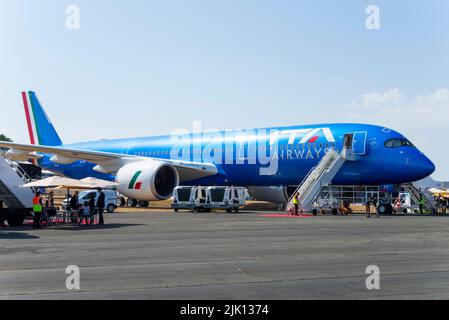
(416, 193)
(319, 177)
(18, 200)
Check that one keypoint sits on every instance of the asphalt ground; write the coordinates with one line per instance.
(163, 255)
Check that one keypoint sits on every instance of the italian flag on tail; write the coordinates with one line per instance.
(40, 128)
(31, 120)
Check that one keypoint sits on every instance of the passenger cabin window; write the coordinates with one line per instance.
(398, 142)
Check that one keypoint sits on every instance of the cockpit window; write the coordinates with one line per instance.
(398, 142)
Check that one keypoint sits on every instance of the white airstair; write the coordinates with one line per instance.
(321, 176)
(417, 192)
(12, 177)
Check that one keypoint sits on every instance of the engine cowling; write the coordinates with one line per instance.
(147, 180)
(278, 194)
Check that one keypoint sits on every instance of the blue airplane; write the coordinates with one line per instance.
(150, 168)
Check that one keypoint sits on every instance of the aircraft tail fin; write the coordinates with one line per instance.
(40, 128)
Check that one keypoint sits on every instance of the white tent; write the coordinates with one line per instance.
(99, 183)
(57, 181)
(438, 191)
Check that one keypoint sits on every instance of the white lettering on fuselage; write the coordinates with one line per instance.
(261, 147)
(301, 152)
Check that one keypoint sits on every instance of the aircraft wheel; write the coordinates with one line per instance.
(131, 202)
(121, 202)
(315, 212)
(144, 204)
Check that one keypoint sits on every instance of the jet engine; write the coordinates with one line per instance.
(147, 180)
(278, 194)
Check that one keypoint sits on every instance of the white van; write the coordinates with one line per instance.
(110, 199)
(228, 198)
(193, 198)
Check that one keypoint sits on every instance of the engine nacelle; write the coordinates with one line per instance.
(271, 194)
(147, 180)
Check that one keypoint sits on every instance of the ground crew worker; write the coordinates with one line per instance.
(421, 204)
(368, 208)
(374, 203)
(37, 210)
(296, 204)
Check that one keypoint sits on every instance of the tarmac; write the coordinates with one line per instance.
(250, 256)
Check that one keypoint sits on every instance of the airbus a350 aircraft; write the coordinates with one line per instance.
(150, 168)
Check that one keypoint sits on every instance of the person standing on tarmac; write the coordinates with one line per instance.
(421, 204)
(100, 206)
(37, 210)
(74, 201)
(374, 202)
(92, 202)
(368, 207)
(296, 203)
(51, 200)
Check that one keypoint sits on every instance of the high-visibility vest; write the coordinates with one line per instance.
(295, 200)
(37, 206)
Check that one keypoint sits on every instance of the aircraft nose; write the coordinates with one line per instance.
(424, 167)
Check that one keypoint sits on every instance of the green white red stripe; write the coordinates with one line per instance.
(133, 184)
(30, 118)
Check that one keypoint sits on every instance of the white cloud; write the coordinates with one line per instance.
(423, 119)
(376, 100)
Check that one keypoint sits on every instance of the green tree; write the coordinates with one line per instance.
(4, 138)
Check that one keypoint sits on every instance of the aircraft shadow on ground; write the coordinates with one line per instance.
(94, 227)
(6, 235)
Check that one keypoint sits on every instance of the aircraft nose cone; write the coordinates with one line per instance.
(424, 167)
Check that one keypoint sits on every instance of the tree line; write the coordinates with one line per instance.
(4, 138)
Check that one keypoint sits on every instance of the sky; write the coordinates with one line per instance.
(142, 67)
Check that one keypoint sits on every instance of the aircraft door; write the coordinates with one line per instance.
(359, 142)
(348, 140)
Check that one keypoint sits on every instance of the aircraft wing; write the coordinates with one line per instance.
(107, 162)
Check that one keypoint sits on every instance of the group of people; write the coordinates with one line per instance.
(87, 210)
(442, 203)
(42, 205)
(344, 208)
